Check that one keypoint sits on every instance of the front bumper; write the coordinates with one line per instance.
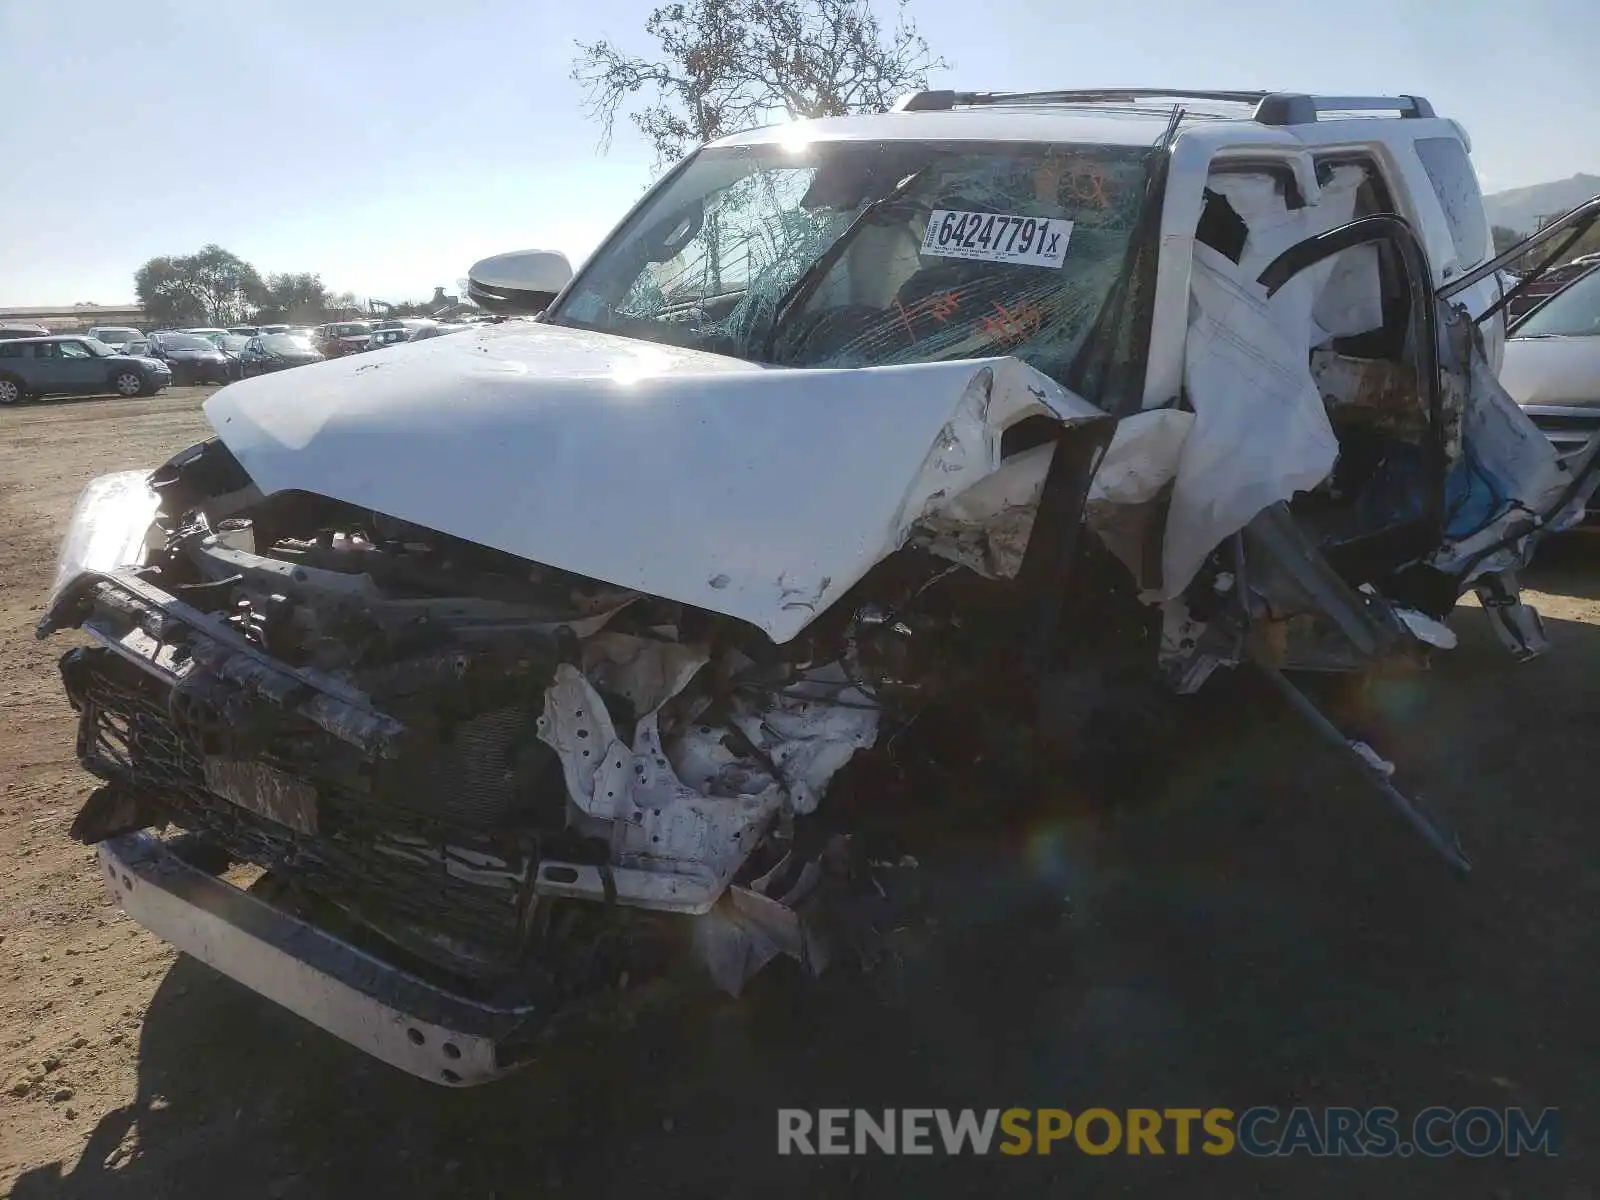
(389, 1013)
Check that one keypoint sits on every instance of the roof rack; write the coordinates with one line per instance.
(1270, 108)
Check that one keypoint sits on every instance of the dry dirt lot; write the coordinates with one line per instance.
(1260, 932)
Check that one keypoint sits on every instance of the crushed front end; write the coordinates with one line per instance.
(533, 790)
(487, 793)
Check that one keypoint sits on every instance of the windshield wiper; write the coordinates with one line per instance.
(801, 290)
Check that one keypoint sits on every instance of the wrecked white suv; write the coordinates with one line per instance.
(532, 659)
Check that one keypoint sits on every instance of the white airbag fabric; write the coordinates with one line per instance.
(1260, 432)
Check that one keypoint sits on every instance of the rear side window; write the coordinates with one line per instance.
(10, 350)
(1455, 183)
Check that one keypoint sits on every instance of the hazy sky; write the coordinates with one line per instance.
(387, 146)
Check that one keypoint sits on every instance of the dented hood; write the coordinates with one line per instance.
(760, 493)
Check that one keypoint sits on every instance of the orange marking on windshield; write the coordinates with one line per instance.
(941, 306)
(1088, 188)
(1011, 327)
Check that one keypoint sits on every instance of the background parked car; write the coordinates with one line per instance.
(241, 330)
(387, 337)
(437, 329)
(1552, 365)
(74, 365)
(1545, 286)
(205, 331)
(117, 337)
(22, 331)
(338, 338)
(233, 347)
(191, 358)
(275, 352)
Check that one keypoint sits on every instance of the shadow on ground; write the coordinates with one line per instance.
(1264, 932)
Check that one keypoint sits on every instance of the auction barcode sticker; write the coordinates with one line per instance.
(996, 237)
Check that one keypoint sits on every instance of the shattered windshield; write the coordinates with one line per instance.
(854, 254)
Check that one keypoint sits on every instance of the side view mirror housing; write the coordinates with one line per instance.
(521, 281)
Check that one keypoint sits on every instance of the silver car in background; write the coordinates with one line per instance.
(1552, 366)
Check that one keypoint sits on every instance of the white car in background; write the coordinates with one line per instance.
(118, 337)
(1552, 365)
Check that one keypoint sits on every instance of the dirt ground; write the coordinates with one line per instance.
(1261, 932)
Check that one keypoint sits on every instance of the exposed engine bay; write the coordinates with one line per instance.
(504, 770)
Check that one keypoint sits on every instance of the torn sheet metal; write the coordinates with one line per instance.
(986, 527)
(1142, 458)
(968, 504)
(1123, 507)
(691, 806)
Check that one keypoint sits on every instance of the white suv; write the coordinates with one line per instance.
(536, 656)
(118, 337)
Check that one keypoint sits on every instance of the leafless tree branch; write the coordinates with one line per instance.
(726, 65)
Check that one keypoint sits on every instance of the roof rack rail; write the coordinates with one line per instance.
(1271, 108)
(1298, 108)
(926, 101)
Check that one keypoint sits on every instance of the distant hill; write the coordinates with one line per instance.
(1521, 208)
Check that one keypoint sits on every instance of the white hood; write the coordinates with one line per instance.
(759, 493)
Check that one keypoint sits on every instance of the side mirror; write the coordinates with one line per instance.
(522, 281)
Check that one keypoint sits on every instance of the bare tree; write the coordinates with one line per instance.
(727, 65)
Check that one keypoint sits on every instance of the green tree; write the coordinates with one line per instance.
(726, 65)
(166, 294)
(296, 297)
(210, 287)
